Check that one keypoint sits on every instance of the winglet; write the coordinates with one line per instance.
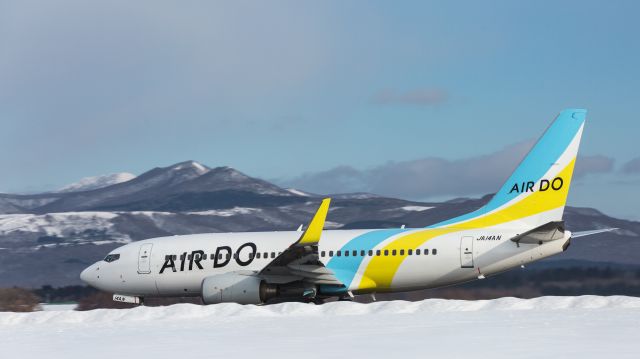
(312, 234)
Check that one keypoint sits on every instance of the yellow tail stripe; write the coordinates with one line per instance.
(535, 203)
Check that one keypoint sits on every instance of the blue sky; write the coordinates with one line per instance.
(320, 95)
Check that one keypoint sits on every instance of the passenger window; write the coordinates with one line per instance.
(258, 255)
(219, 256)
(402, 252)
(338, 253)
(330, 253)
(370, 252)
(418, 251)
(346, 253)
(426, 252)
(250, 255)
(354, 253)
(228, 256)
(175, 257)
(273, 254)
(434, 252)
(386, 252)
(362, 253)
(378, 252)
(166, 258)
(266, 255)
(322, 254)
(393, 252)
(189, 257)
(410, 252)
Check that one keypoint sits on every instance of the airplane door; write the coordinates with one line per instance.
(144, 258)
(466, 252)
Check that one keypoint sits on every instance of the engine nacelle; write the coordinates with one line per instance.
(234, 288)
(248, 289)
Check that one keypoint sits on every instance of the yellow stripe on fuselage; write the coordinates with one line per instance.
(381, 269)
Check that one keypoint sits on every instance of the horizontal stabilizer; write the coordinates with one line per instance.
(547, 232)
(588, 233)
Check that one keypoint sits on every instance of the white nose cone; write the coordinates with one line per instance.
(88, 275)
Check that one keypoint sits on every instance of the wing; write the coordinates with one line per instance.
(588, 233)
(300, 261)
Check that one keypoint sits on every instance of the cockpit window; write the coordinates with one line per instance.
(111, 258)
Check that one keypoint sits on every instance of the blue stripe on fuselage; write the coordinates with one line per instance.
(345, 268)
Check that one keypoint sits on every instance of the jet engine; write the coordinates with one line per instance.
(249, 289)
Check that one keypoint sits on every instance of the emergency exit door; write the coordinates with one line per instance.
(466, 252)
(144, 258)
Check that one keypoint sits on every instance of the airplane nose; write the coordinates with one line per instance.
(88, 275)
(84, 275)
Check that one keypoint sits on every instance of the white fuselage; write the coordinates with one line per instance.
(174, 266)
(520, 224)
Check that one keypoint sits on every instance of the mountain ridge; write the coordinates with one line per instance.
(95, 182)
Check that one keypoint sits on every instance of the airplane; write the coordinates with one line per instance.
(522, 223)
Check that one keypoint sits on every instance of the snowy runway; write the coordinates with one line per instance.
(565, 327)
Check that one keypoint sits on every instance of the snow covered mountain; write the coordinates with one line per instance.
(298, 192)
(90, 183)
(183, 186)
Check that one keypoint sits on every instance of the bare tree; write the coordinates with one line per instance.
(17, 300)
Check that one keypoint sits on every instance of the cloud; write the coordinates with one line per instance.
(431, 177)
(593, 164)
(632, 166)
(420, 178)
(419, 97)
(339, 179)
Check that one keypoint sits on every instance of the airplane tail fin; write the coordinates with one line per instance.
(536, 192)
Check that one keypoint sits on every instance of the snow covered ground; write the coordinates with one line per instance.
(557, 327)
(57, 307)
